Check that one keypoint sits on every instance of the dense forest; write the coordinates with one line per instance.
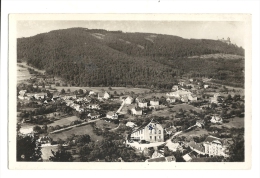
(85, 57)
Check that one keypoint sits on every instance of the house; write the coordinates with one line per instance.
(181, 83)
(142, 103)
(162, 159)
(94, 115)
(91, 93)
(170, 99)
(179, 93)
(206, 86)
(170, 130)
(154, 102)
(130, 124)
(200, 123)
(112, 115)
(104, 95)
(137, 111)
(175, 88)
(129, 100)
(21, 97)
(191, 80)
(213, 146)
(22, 92)
(216, 119)
(93, 106)
(150, 131)
(45, 141)
(157, 154)
(185, 99)
(187, 158)
(69, 97)
(40, 96)
(192, 97)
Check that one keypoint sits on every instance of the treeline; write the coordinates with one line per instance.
(121, 59)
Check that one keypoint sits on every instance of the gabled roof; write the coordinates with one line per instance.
(211, 139)
(196, 146)
(93, 114)
(144, 125)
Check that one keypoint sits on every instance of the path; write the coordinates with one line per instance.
(63, 129)
(122, 105)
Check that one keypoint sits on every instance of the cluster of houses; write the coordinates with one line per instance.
(182, 95)
(151, 135)
(23, 95)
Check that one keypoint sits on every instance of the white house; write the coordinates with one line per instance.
(130, 124)
(91, 93)
(170, 99)
(129, 100)
(175, 88)
(104, 95)
(154, 102)
(206, 86)
(151, 131)
(40, 95)
(142, 103)
(22, 92)
(216, 119)
(94, 115)
(93, 106)
(137, 111)
(213, 146)
(192, 97)
(112, 115)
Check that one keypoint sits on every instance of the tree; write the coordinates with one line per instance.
(237, 150)
(37, 129)
(28, 149)
(80, 91)
(61, 156)
(83, 139)
(68, 90)
(62, 91)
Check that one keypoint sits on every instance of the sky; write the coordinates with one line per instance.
(235, 30)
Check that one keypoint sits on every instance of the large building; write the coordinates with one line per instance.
(151, 131)
(213, 146)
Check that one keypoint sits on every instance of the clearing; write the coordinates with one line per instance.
(236, 122)
(64, 121)
(85, 129)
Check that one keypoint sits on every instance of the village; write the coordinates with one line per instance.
(195, 121)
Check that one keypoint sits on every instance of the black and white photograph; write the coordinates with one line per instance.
(147, 89)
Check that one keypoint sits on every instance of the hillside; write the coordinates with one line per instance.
(96, 57)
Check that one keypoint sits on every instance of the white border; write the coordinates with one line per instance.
(140, 7)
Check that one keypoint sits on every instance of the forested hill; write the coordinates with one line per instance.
(96, 57)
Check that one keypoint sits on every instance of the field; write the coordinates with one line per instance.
(99, 89)
(103, 124)
(22, 74)
(64, 121)
(185, 107)
(194, 132)
(86, 129)
(46, 152)
(236, 122)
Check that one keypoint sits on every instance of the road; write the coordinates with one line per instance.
(84, 123)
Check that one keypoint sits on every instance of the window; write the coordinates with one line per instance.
(159, 137)
(155, 138)
(159, 131)
(142, 131)
(150, 131)
(150, 137)
(154, 131)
